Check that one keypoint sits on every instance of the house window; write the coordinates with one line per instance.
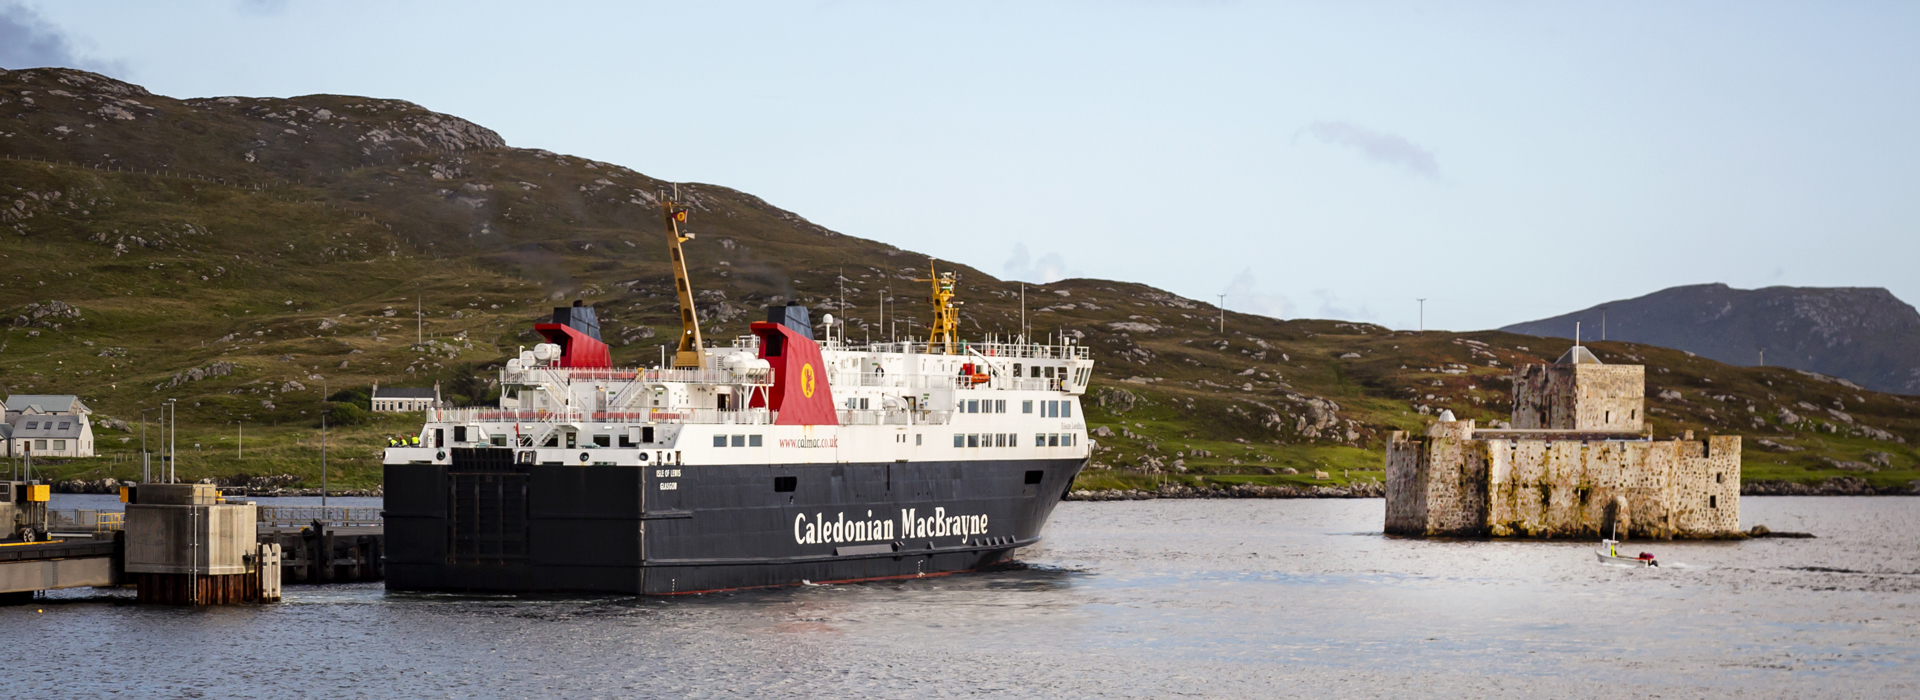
(59, 445)
(39, 444)
(32, 424)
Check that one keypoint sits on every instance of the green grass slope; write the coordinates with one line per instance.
(251, 257)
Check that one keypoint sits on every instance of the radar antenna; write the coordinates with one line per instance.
(689, 355)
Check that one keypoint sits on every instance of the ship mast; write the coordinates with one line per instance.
(689, 355)
(946, 311)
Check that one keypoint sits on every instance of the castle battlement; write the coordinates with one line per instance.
(1576, 463)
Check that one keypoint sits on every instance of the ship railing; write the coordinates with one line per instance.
(942, 381)
(875, 417)
(302, 516)
(748, 416)
(82, 520)
(1014, 350)
(563, 375)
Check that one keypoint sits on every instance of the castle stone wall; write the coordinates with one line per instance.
(1580, 397)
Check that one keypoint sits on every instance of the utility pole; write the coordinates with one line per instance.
(1223, 313)
(1763, 357)
(1023, 313)
(419, 318)
(323, 447)
(240, 450)
(1603, 322)
(173, 440)
(1423, 314)
(146, 458)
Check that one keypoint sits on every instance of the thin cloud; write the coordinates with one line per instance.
(27, 41)
(1378, 146)
(1243, 294)
(1333, 309)
(1047, 269)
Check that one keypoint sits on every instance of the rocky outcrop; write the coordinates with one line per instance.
(1359, 489)
(49, 315)
(217, 369)
(1837, 486)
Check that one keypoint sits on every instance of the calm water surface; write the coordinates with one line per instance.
(1277, 598)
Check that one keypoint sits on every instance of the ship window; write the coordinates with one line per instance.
(739, 441)
(973, 441)
(785, 484)
(973, 406)
(603, 441)
(999, 439)
(552, 440)
(1066, 409)
(1053, 440)
(1000, 406)
(719, 441)
(499, 441)
(626, 438)
(1016, 369)
(959, 440)
(1039, 439)
(753, 441)
(1026, 407)
(1049, 372)
(863, 404)
(646, 434)
(1034, 477)
(1036, 371)
(916, 439)
(1066, 439)
(459, 433)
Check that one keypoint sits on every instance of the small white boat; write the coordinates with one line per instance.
(1609, 553)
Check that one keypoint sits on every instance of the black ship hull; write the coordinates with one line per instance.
(486, 524)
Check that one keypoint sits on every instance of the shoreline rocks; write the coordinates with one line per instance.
(1365, 489)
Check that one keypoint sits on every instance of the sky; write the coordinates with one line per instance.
(1504, 161)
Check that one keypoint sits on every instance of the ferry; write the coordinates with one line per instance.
(788, 456)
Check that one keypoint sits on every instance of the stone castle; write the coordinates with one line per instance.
(1578, 461)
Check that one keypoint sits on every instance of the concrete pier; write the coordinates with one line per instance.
(184, 546)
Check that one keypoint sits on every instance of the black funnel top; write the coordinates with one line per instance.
(579, 317)
(793, 316)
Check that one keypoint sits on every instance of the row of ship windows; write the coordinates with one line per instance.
(1048, 409)
(1011, 440)
(736, 441)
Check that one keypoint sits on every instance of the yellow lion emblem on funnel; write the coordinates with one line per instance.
(806, 380)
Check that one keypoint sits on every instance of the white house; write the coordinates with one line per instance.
(404, 399)
(50, 426)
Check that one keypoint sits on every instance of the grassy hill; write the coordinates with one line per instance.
(251, 258)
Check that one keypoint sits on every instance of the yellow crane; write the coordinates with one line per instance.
(689, 355)
(946, 311)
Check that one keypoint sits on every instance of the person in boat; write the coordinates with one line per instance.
(1648, 558)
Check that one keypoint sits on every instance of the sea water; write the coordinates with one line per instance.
(1149, 599)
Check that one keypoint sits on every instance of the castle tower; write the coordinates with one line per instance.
(1579, 392)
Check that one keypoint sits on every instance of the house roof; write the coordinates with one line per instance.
(405, 392)
(49, 427)
(45, 403)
